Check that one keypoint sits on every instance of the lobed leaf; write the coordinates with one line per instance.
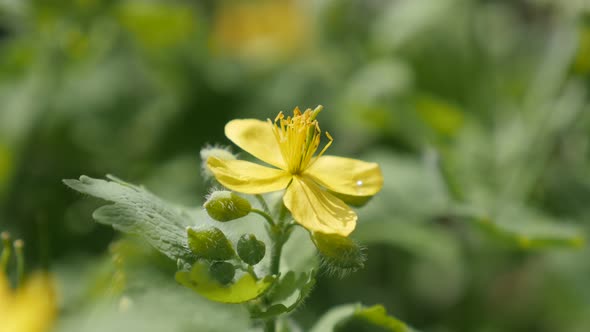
(289, 292)
(244, 289)
(137, 211)
(354, 317)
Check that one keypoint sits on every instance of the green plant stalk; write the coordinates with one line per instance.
(266, 216)
(6, 252)
(20, 261)
(279, 234)
(263, 203)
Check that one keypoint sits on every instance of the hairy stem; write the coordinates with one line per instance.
(266, 216)
(275, 258)
(263, 203)
(279, 234)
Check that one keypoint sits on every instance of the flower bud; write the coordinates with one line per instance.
(223, 272)
(210, 244)
(225, 205)
(250, 249)
(214, 151)
(339, 254)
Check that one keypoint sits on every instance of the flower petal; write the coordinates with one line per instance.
(347, 176)
(246, 177)
(257, 138)
(318, 210)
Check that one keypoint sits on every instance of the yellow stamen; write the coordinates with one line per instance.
(299, 138)
(316, 111)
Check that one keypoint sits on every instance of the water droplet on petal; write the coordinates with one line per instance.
(359, 183)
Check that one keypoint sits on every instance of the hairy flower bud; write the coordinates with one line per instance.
(217, 152)
(250, 249)
(340, 255)
(225, 205)
(223, 272)
(210, 244)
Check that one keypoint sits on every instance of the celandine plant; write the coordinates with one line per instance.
(301, 186)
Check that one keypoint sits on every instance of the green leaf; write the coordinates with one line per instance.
(416, 192)
(152, 303)
(287, 295)
(329, 320)
(372, 319)
(528, 229)
(413, 190)
(245, 289)
(354, 317)
(421, 240)
(137, 211)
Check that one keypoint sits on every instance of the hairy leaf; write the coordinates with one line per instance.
(137, 211)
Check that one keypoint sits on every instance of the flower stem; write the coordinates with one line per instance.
(6, 252)
(20, 261)
(278, 232)
(266, 216)
(263, 203)
(270, 325)
(275, 261)
(275, 258)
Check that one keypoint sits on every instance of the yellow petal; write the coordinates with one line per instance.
(347, 176)
(36, 299)
(246, 177)
(257, 138)
(5, 294)
(318, 210)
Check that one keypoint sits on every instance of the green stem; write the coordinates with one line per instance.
(263, 203)
(283, 212)
(270, 325)
(6, 252)
(265, 216)
(278, 231)
(275, 258)
(20, 261)
(279, 235)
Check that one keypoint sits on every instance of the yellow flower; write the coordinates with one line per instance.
(30, 308)
(290, 145)
(261, 30)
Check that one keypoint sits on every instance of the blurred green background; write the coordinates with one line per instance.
(478, 112)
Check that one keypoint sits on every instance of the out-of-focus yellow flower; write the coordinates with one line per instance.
(289, 144)
(260, 29)
(30, 308)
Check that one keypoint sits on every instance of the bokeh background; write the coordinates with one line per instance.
(478, 112)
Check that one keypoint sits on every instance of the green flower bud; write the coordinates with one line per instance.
(210, 244)
(223, 272)
(225, 206)
(222, 153)
(339, 254)
(250, 249)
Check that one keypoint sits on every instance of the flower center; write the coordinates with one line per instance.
(299, 138)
